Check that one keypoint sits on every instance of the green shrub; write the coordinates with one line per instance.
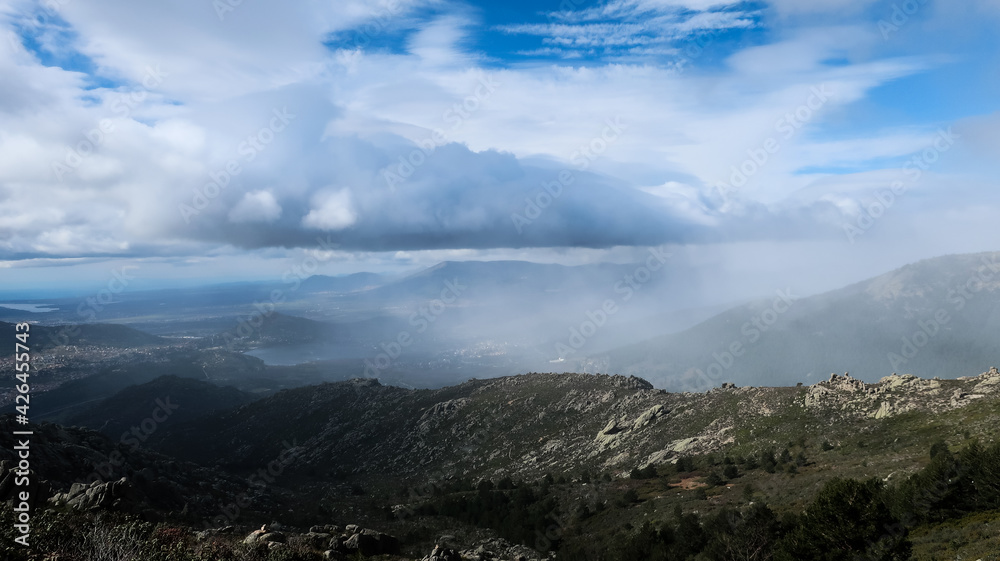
(847, 520)
(730, 472)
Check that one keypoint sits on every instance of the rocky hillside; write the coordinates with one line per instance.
(529, 425)
(86, 471)
(530, 466)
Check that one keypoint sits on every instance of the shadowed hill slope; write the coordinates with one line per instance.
(937, 317)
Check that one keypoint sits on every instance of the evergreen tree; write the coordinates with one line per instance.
(847, 519)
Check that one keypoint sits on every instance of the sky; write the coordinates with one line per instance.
(196, 141)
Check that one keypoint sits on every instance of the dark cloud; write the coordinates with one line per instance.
(450, 198)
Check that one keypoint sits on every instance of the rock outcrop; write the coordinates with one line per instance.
(490, 550)
(443, 554)
(87, 471)
(529, 425)
(355, 540)
(897, 394)
(117, 495)
(265, 537)
(648, 416)
(608, 436)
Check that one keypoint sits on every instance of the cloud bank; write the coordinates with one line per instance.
(129, 129)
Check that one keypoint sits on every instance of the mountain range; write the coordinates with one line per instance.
(723, 429)
(937, 317)
(583, 466)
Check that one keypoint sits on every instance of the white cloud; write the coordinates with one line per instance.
(684, 130)
(256, 206)
(332, 210)
(635, 9)
(437, 43)
(824, 7)
(252, 48)
(626, 25)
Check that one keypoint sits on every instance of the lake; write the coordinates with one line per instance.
(32, 308)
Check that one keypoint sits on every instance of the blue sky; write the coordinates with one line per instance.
(207, 141)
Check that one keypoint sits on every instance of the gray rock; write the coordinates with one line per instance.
(337, 544)
(264, 536)
(273, 537)
(648, 416)
(364, 544)
(118, 495)
(318, 540)
(388, 544)
(443, 554)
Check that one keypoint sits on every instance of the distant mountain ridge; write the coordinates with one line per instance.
(937, 317)
(343, 284)
(493, 277)
(96, 334)
(167, 399)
